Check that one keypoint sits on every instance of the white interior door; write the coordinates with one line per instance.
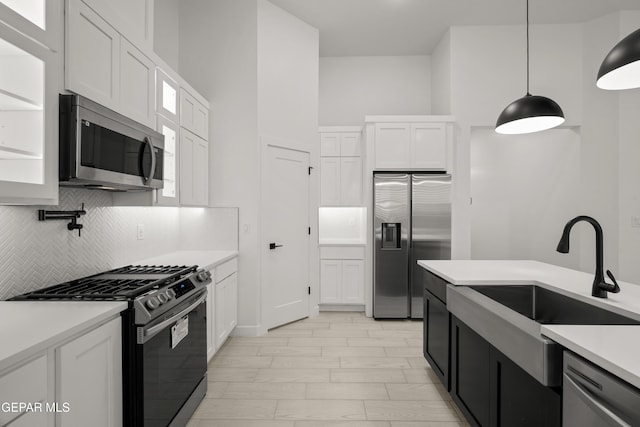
(286, 236)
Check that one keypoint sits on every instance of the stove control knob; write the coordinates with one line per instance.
(162, 298)
(171, 294)
(203, 276)
(152, 303)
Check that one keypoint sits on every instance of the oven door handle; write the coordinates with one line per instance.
(146, 333)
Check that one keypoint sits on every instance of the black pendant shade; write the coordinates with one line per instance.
(531, 113)
(621, 67)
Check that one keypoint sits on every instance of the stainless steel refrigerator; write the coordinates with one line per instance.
(412, 221)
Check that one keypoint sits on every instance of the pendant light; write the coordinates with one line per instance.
(531, 113)
(621, 67)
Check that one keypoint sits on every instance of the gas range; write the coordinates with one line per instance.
(152, 289)
(164, 336)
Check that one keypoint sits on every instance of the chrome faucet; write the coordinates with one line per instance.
(600, 286)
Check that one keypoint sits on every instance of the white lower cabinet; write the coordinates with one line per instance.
(211, 322)
(77, 383)
(222, 305)
(28, 383)
(89, 378)
(226, 308)
(342, 275)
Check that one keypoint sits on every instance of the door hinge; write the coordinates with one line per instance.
(310, 167)
(309, 231)
(309, 290)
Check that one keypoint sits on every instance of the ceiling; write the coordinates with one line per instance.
(414, 27)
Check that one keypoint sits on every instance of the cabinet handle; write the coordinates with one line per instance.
(272, 246)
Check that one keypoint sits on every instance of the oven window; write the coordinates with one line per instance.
(108, 150)
(171, 374)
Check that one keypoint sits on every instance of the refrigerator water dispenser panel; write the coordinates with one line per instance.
(391, 232)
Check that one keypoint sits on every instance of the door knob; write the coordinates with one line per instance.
(272, 246)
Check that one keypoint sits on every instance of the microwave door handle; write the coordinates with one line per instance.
(152, 172)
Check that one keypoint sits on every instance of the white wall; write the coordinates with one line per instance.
(488, 66)
(599, 149)
(218, 57)
(524, 191)
(487, 71)
(628, 160)
(166, 32)
(258, 67)
(441, 76)
(288, 51)
(352, 87)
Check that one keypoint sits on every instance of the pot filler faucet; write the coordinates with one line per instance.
(600, 287)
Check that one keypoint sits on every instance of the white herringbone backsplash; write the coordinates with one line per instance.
(35, 254)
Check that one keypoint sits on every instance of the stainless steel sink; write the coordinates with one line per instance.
(510, 317)
(549, 307)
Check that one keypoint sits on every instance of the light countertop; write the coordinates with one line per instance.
(203, 259)
(29, 327)
(615, 348)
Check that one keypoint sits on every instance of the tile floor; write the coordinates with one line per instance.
(337, 369)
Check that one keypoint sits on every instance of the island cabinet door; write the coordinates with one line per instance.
(470, 373)
(519, 399)
(492, 391)
(436, 336)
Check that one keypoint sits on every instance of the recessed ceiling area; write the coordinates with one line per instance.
(414, 27)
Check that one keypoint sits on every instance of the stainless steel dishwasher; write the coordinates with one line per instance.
(593, 397)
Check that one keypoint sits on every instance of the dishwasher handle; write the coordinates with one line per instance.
(592, 401)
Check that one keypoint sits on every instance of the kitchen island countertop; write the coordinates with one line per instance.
(30, 327)
(615, 348)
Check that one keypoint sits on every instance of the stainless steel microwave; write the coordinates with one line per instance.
(102, 149)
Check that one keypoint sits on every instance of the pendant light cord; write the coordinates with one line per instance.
(528, 48)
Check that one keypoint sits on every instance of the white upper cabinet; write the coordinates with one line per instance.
(194, 170)
(393, 145)
(340, 166)
(413, 145)
(131, 18)
(166, 96)
(193, 115)
(92, 55)
(429, 145)
(168, 195)
(28, 120)
(330, 144)
(38, 19)
(107, 68)
(137, 84)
